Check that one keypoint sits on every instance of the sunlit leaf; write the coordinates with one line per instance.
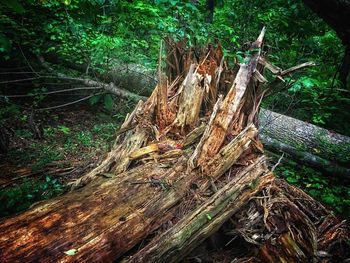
(71, 252)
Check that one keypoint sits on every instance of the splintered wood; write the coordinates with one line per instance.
(185, 163)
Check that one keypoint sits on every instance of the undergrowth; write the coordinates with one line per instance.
(331, 191)
(18, 198)
(66, 142)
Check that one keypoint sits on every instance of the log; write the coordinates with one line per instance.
(277, 223)
(305, 137)
(284, 224)
(109, 87)
(306, 158)
(319, 147)
(174, 244)
(127, 206)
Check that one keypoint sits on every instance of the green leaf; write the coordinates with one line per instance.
(208, 216)
(307, 82)
(108, 102)
(93, 100)
(67, 2)
(292, 180)
(5, 43)
(71, 252)
(64, 129)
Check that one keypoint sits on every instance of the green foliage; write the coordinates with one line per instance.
(64, 129)
(8, 110)
(105, 131)
(35, 153)
(331, 192)
(85, 138)
(18, 198)
(108, 102)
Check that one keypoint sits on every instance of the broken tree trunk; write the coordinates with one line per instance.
(163, 180)
(306, 143)
(176, 243)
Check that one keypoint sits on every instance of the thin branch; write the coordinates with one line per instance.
(17, 72)
(69, 103)
(30, 66)
(278, 162)
(50, 92)
(7, 68)
(18, 80)
(295, 68)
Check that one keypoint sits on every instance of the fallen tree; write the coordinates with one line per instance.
(306, 143)
(305, 137)
(305, 158)
(182, 165)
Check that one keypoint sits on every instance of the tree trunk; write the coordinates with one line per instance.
(109, 216)
(335, 13)
(305, 137)
(345, 67)
(174, 244)
(306, 158)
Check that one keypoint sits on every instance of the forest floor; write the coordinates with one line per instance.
(76, 138)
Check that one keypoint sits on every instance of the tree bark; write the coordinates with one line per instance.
(306, 158)
(108, 217)
(305, 137)
(335, 13)
(174, 244)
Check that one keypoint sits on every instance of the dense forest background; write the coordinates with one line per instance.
(44, 42)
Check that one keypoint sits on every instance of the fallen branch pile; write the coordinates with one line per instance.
(186, 164)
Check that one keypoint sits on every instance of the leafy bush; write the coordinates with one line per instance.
(18, 198)
(331, 192)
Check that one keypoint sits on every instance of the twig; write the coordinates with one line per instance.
(50, 92)
(30, 66)
(295, 68)
(278, 162)
(18, 80)
(69, 103)
(17, 72)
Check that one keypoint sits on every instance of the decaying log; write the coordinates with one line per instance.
(161, 188)
(174, 244)
(283, 224)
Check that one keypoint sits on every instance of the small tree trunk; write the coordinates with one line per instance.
(345, 67)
